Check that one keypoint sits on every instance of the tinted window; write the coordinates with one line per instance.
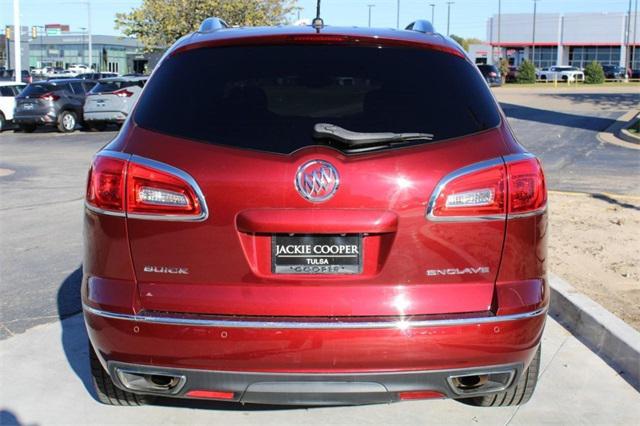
(36, 89)
(88, 85)
(77, 88)
(270, 98)
(112, 86)
(6, 91)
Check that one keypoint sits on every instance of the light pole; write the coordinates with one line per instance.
(398, 14)
(628, 38)
(499, 19)
(533, 37)
(370, 6)
(433, 12)
(635, 33)
(449, 3)
(17, 64)
(83, 29)
(41, 30)
(89, 31)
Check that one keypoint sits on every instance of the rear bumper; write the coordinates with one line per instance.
(106, 116)
(318, 389)
(44, 118)
(314, 361)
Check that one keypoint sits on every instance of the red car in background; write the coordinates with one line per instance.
(315, 215)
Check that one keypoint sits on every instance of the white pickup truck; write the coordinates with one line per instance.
(560, 73)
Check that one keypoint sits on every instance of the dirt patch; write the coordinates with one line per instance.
(595, 245)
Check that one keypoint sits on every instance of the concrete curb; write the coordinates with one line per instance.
(626, 135)
(607, 335)
(611, 134)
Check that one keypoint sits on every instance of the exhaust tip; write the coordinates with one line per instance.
(483, 382)
(151, 382)
(470, 382)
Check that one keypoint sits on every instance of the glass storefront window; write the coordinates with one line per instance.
(580, 56)
(545, 56)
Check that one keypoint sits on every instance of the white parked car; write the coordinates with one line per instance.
(8, 91)
(61, 73)
(78, 69)
(560, 73)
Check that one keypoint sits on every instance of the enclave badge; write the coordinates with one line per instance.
(317, 180)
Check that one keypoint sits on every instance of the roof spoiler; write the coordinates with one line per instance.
(421, 26)
(212, 24)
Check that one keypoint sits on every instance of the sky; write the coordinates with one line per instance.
(468, 17)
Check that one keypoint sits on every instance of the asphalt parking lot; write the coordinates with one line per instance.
(42, 178)
(560, 126)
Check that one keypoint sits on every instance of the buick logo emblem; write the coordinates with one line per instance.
(317, 180)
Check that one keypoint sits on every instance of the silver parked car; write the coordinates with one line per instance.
(111, 100)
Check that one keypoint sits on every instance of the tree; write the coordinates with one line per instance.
(465, 42)
(593, 73)
(461, 41)
(503, 66)
(526, 72)
(159, 23)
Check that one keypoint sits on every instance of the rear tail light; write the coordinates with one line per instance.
(154, 191)
(49, 96)
(123, 93)
(209, 394)
(491, 190)
(493, 74)
(106, 184)
(143, 189)
(527, 189)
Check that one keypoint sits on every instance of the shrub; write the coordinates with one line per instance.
(593, 73)
(503, 66)
(526, 72)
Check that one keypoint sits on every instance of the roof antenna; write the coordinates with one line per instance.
(317, 22)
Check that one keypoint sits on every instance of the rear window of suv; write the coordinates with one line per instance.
(36, 89)
(112, 86)
(270, 97)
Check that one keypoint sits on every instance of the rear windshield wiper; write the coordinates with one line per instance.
(358, 139)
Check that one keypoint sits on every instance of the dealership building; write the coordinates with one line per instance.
(54, 45)
(109, 53)
(561, 39)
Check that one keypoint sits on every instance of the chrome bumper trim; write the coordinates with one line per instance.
(400, 323)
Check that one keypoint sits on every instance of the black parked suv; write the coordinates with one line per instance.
(614, 72)
(52, 103)
(491, 73)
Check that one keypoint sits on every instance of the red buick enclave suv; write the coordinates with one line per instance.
(315, 215)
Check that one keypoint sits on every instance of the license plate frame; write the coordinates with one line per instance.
(316, 254)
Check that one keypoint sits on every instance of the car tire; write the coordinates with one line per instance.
(27, 128)
(3, 122)
(107, 392)
(67, 121)
(517, 395)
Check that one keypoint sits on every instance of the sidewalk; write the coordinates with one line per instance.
(45, 376)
